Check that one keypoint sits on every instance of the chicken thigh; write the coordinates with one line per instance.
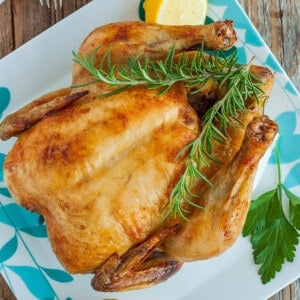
(100, 170)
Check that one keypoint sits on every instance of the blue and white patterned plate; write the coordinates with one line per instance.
(26, 259)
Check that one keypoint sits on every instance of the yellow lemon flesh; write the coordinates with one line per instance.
(175, 12)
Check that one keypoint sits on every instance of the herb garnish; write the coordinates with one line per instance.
(274, 235)
(195, 72)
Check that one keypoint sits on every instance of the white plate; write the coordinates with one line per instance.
(43, 64)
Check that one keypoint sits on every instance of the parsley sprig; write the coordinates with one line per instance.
(274, 234)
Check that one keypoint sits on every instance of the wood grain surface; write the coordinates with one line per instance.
(277, 21)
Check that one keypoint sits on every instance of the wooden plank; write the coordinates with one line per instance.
(70, 6)
(41, 17)
(30, 18)
(278, 23)
(5, 292)
(6, 29)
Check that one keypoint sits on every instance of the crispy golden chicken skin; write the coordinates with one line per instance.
(140, 39)
(101, 170)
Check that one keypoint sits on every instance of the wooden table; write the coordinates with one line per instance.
(277, 21)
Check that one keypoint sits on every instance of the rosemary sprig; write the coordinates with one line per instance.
(194, 72)
(159, 74)
(214, 127)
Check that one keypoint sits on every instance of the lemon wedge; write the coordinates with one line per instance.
(175, 12)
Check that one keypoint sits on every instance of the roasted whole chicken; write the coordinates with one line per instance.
(100, 170)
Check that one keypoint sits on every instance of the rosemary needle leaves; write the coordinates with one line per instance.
(194, 71)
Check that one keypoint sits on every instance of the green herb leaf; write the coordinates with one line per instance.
(273, 236)
(258, 213)
(294, 208)
(272, 245)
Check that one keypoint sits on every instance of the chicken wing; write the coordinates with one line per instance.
(139, 267)
(36, 110)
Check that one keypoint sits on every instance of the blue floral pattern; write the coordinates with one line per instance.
(4, 99)
(19, 227)
(289, 141)
(23, 221)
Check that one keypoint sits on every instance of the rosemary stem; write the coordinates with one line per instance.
(277, 156)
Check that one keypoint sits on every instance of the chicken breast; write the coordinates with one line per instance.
(101, 172)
